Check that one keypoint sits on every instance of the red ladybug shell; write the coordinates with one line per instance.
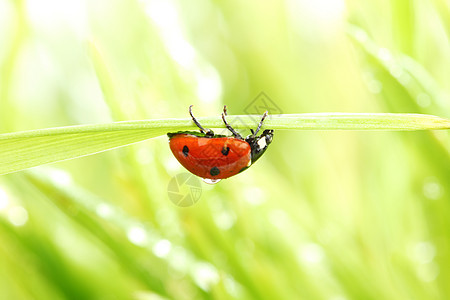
(211, 157)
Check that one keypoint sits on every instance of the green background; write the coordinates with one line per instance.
(329, 215)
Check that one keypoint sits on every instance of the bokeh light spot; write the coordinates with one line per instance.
(428, 272)
(374, 86)
(17, 215)
(432, 189)
(225, 219)
(162, 248)
(60, 177)
(423, 100)
(254, 195)
(311, 253)
(137, 235)
(205, 275)
(424, 252)
(104, 210)
(384, 54)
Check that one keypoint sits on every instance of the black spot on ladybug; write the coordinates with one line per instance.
(185, 150)
(214, 171)
(225, 150)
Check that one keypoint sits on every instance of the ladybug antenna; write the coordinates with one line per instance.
(260, 123)
(206, 131)
(235, 134)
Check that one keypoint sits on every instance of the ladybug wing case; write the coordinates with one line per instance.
(213, 158)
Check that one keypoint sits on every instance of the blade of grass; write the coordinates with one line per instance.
(403, 69)
(22, 150)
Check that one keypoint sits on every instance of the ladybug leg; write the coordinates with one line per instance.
(235, 134)
(206, 131)
(260, 123)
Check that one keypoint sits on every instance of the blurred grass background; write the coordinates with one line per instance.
(325, 215)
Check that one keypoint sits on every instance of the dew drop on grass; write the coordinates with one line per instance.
(211, 181)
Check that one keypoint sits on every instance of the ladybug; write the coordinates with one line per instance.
(213, 156)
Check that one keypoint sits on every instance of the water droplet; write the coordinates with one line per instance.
(211, 181)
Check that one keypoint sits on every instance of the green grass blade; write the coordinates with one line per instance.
(22, 150)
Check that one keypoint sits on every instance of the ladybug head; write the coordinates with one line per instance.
(259, 144)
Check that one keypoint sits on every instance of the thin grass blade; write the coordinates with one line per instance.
(22, 150)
